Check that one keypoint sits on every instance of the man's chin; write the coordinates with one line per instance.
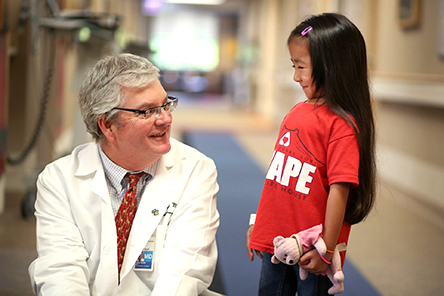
(163, 148)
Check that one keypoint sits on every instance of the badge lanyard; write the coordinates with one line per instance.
(145, 262)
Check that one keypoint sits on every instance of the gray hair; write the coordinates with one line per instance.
(101, 91)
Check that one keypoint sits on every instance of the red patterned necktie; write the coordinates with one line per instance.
(125, 216)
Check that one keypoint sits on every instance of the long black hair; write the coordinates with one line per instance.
(339, 60)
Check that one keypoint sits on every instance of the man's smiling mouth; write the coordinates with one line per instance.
(159, 135)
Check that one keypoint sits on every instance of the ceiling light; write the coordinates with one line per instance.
(201, 2)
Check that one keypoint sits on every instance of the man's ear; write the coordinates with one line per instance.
(107, 128)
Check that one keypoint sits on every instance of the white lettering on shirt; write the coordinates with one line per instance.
(282, 171)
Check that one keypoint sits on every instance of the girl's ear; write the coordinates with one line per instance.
(107, 128)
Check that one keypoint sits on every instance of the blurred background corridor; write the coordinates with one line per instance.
(228, 63)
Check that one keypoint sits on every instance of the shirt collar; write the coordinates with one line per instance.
(116, 173)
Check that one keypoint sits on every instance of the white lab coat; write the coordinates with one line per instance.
(76, 233)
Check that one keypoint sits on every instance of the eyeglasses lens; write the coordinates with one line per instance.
(168, 107)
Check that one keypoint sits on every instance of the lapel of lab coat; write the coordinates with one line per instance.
(91, 165)
(159, 193)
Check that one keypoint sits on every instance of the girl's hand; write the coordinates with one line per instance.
(312, 262)
(250, 250)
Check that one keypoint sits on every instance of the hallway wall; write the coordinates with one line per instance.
(408, 83)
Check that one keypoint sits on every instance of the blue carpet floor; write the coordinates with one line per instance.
(241, 179)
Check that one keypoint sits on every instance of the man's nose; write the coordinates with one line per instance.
(164, 117)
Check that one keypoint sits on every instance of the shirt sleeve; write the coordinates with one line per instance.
(343, 156)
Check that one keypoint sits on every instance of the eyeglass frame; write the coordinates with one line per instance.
(172, 102)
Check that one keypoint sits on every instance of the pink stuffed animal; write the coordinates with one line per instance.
(289, 250)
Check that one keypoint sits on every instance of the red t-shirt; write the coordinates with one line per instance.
(315, 148)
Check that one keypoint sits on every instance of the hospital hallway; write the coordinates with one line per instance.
(228, 62)
(396, 251)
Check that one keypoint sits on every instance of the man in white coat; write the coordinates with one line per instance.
(171, 249)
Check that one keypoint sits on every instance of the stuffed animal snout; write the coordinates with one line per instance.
(285, 251)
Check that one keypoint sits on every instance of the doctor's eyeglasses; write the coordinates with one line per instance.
(169, 107)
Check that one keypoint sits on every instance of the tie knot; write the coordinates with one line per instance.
(134, 178)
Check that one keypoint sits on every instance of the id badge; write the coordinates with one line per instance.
(145, 262)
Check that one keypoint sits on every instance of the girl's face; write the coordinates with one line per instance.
(300, 57)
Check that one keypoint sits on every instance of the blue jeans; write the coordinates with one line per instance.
(283, 280)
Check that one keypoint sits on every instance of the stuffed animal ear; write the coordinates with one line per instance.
(278, 240)
(275, 260)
